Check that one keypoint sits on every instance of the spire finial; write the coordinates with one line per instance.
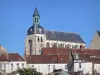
(36, 12)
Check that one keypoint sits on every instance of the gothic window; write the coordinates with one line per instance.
(48, 45)
(54, 45)
(61, 45)
(41, 39)
(68, 46)
(65, 46)
(38, 39)
(58, 46)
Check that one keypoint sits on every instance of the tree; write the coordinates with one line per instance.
(29, 71)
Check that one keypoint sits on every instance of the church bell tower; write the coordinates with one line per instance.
(35, 39)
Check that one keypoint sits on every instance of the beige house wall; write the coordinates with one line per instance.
(95, 43)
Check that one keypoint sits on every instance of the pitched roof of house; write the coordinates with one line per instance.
(15, 57)
(54, 51)
(64, 36)
(3, 58)
(47, 59)
(63, 53)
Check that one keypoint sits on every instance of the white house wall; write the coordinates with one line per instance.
(15, 67)
(85, 67)
(44, 67)
(5, 66)
(97, 67)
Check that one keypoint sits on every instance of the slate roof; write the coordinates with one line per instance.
(98, 33)
(64, 36)
(15, 57)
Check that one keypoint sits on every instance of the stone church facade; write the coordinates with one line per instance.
(38, 38)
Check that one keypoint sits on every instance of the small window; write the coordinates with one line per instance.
(11, 66)
(53, 66)
(65, 67)
(4, 65)
(32, 65)
(39, 51)
(79, 65)
(48, 67)
(23, 65)
(17, 65)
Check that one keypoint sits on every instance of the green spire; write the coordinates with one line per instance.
(36, 17)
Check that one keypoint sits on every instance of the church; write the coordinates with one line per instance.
(38, 37)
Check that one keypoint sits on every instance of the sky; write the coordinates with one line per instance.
(79, 16)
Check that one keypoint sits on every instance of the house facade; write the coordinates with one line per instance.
(95, 43)
(11, 62)
(16, 61)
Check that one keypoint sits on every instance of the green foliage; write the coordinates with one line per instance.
(29, 71)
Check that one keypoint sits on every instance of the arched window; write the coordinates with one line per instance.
(35, 19)
(58, 46)
(68, 46)
(47, 44)
(61, 45)
(38, 39)
(30, 44)
(41, 39)
(54, 45)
